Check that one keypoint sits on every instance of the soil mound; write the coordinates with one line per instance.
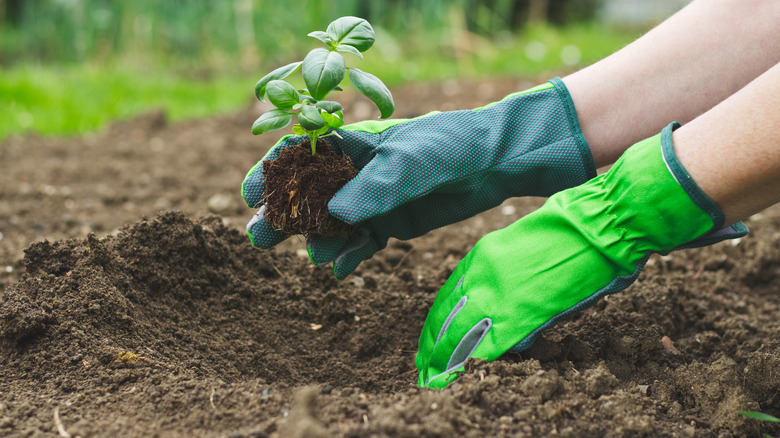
(194, 297)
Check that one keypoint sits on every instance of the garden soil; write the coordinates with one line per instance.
(132, 304)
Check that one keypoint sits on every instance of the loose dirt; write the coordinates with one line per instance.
(132, 304)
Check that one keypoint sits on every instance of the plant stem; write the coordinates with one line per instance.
(313, 141)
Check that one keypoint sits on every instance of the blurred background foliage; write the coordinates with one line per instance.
(69, 66)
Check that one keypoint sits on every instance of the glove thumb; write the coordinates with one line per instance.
(363, 197)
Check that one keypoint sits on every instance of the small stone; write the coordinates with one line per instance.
(669, 345)
(508, 210)
(156, 144)
(358, 282)
(219, 203)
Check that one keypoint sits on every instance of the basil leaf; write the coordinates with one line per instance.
(333, 120)
(322, 36)
(329, 106)
(282, 94)
(374, 89)
(279, 73)
(271, 121)
(323, 70)
(298, 130)
(307, 99)
(310, 118)
(349, 49)
(352, 31)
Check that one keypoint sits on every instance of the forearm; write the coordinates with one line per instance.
(733, 151)
(677, 71)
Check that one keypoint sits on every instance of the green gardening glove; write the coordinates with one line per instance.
(420, 174)
(584, 243)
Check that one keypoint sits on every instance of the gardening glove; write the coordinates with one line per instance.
(423, 173)
(584, 243)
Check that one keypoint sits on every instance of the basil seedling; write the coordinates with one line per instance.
(323, 70)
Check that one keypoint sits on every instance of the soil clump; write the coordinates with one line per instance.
(298, 186)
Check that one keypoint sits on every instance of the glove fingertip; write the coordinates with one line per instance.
(261, 234)
(344, 266)
(360, 247)
(254, 181)
(442, 380)
(323, 250)
(253, 186)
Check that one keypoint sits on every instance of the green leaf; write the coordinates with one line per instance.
(279, 73)
(352, 31)
(310, 118)
(349, 49)
(322, 36)
(374, 89)
(333, 120)
(759, 416)
(323, 70)
(329, 106)
(304, 91)
(282, 94)
(308, 99)
(298, 130)
(338, 88)
(271, 121)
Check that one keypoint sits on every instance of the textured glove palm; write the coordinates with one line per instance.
(423, 173)
(584, 243)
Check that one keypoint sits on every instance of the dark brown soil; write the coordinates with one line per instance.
(298, 186)
(132, 304)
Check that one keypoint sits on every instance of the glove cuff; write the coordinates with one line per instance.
(697, 195)
(574, 126)
(685, 180)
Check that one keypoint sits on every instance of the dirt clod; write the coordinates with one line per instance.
(298, 186)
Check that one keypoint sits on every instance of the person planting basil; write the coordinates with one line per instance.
(714, 67)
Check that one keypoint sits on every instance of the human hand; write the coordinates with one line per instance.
(423, 173)
(584, 243)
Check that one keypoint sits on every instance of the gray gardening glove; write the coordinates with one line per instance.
(420, 174)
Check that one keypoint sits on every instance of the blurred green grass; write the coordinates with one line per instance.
(62, 98)
(80, 98)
